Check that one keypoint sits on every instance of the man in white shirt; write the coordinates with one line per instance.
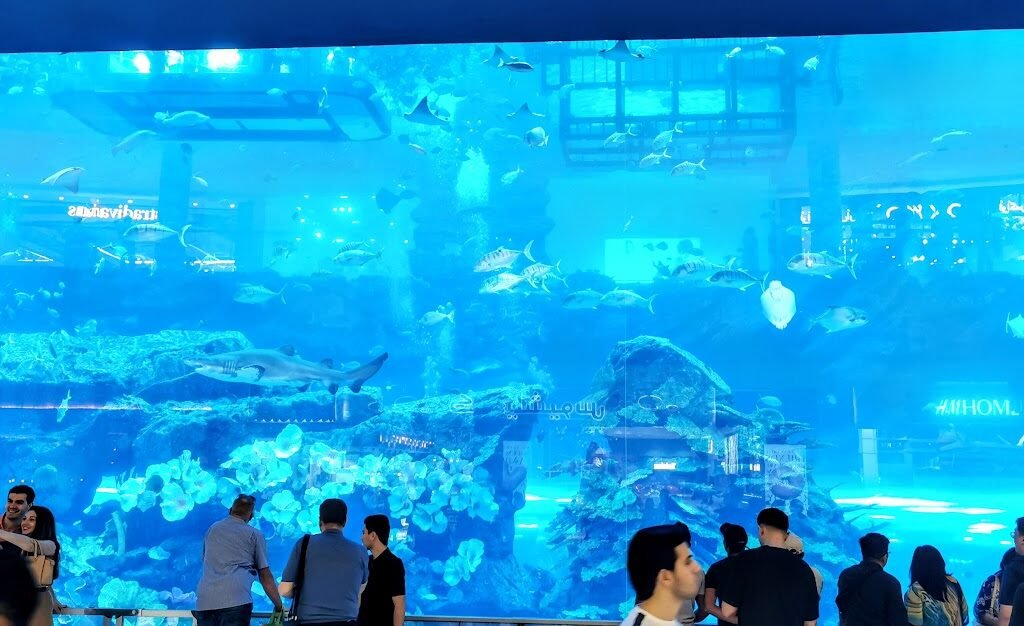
(663, 573)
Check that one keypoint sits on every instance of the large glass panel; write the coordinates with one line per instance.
(569, 290)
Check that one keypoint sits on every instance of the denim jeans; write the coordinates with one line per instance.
(234, 616)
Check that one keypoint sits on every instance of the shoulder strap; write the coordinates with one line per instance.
(300, 576)
(639, 619)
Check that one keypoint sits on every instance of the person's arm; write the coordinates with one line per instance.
(270, 587)
(1004, 614)
(730, 613)
(702, 613)
(287, 586)
(811, 596)
(711, 606)
(399, 617)
(46, 547)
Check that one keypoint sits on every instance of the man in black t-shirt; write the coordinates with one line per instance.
(1013, 576)
(383, 600)
(770, 586)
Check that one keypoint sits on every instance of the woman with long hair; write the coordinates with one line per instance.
(39, 527)
(934, 597)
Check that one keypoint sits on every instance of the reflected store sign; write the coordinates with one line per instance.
(122, 212)
(977, 407)
(922, 211)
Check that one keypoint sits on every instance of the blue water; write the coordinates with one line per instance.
(681, 283)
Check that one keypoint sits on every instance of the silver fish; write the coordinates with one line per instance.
(623, 298)
(819, 264)
(502, 258)
(249, 293)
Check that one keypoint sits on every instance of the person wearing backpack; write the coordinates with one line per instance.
(868, 595)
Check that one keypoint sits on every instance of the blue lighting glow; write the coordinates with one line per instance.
(223, 59)
(141, 63)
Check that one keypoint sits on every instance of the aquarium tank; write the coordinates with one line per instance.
(524, 299)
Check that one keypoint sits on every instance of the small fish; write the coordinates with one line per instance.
(510, 177)
(201, 182)
(774, 50)
(689, 168)
(839, 318)
(654, 159)
(515, 66)
(540, 271)
(432, 318)
(811, 64)
(422, 114)
(1015, 326)
(732, 54)
(68, 177)
(275, 92)
(819, 264)
(135, 140)
(951, 134)
(584, 299)
(734, 279)
(628, 224)
(502, 258)
(356, 257)
(619, 52)
(624, 298)
(154, 232)
(699, 268)
(249, 293)
(16, 90)
(661, 245)
(62, 410)
(778, 304)
(501, 282)
(663, 139)
(536, 137)
(914, 159)
(184, 119)
(617, 138)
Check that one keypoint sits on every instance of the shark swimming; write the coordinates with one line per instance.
(281, 368)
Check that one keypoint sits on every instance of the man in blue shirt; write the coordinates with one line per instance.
(334, 575)
(234, 555)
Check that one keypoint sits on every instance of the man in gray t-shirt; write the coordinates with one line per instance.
(234, 556)
(334, 575)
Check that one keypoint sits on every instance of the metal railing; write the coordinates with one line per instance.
(116, 617)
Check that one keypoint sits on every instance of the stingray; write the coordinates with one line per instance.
(423, 115)
(619, 52)
(523, 112)
(497, 57)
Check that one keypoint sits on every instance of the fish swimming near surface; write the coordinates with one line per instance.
(619, 52)
(281, 368)
(357, 257)
(778, 304)
(502, 258)
(423, 115)
(819, 264)
(811, 64)
(68, 178)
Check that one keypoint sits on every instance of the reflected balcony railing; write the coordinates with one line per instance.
(116, 617)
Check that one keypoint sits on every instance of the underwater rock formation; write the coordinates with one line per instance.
(671, 407)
